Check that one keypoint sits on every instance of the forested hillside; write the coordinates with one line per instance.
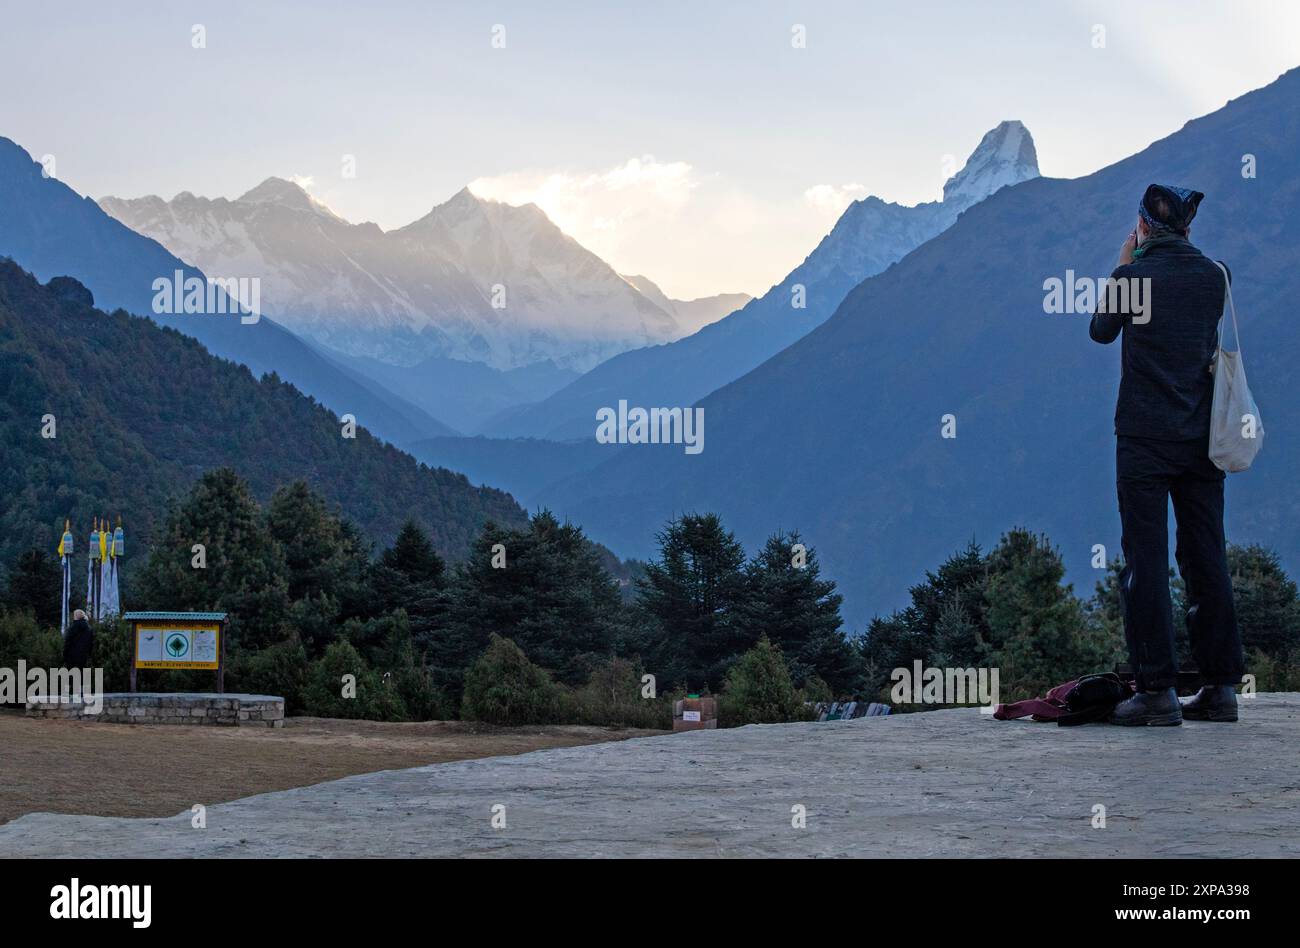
(140, 412)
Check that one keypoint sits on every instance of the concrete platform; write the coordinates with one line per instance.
(942, 783)
(168, 707)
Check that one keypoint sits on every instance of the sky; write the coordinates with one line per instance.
(696, 143)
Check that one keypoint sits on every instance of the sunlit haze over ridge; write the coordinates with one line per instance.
(695, 144)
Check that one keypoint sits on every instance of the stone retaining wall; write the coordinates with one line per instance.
(231, 710)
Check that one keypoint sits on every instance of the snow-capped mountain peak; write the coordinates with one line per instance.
(1004, 156)
(872, 233)
(474, 279)
(287, 194)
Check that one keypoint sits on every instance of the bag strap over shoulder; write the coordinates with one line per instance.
(1229, 307)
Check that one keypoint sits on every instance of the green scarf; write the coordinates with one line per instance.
(1155, 241)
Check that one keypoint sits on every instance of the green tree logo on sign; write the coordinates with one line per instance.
(177, 644)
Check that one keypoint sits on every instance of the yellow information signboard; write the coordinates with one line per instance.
(195, 646)
(188, 641)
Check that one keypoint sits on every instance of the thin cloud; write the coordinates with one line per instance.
(832, 199)
(693, 233)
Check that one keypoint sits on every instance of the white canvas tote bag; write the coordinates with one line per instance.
(1236, 430)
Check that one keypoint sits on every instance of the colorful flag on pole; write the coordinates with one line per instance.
(65, 557)
(93, 577)
(112, 548)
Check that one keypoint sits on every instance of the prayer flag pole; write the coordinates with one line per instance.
(65, 556)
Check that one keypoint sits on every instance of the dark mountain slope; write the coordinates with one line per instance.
(839, 435)
(465, 394)
(870, 235)
(142, 411)
(523, 466)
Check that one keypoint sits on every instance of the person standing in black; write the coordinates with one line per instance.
(78, 642)
(1162, 429)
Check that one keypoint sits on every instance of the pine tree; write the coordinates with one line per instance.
(1038, 631)
(243, 569)
(321, 555)
(1268, 610)
(694, 591)
(327, 561)
(34, 584)
(944, 625)
(543, 587)
(1008, 610)
(411, 576)
(341, 685)
(788, 601)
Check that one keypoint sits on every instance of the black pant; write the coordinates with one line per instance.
(1148, 473)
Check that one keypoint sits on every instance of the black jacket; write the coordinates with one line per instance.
(1167, 389)
(77, 644)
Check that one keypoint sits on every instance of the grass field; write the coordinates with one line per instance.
(159, 770)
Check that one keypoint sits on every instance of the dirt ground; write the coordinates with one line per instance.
(159, 770)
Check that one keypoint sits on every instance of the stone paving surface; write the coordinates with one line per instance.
(942, 783)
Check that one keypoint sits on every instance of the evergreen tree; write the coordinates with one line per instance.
(326, 560)
(504, 687)
(341, 685)
(758, 689)
(322, 554)
(694, 590)
(35, 584)
(543, 587)
(411, 576)
(1008, 610)
(788, 601)
(944, 625)
(1267, 605)
(959, 574)
(242, 571)
(1037, 628)
(22, 638)
(1268, 610)
(279, 669)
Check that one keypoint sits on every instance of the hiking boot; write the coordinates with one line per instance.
(1212, 703)
(1156, 708)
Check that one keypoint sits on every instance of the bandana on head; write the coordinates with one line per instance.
(1180, 208)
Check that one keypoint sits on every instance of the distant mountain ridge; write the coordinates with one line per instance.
(868, 237)
(464, 394)
(691, 315)
(52, 231)
(473, 280)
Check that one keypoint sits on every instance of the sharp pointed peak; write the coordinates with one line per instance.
(466, 204)
(1005, 155)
